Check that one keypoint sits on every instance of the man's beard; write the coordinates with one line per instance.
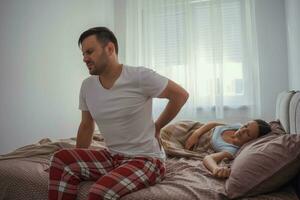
(98, 70)
(101, 67)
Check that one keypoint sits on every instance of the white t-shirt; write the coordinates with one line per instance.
(123, 113)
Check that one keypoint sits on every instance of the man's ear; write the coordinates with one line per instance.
(110, 48)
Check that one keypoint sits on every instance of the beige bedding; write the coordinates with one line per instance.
(173, 139)
(23, 175)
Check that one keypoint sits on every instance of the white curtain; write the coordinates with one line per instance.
(206, 46)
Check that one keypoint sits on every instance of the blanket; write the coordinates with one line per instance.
(186, 178)
(45, 148)
(173, 139)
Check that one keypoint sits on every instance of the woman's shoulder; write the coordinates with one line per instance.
(233, 125)
(218, 130)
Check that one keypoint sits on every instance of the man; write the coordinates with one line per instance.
(119, 99)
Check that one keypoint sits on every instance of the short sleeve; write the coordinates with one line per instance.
(151, 82)
(82, 102)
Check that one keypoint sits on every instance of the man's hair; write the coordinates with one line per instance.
(103, 34)
(263, 127)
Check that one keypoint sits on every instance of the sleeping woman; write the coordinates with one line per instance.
(226, 141)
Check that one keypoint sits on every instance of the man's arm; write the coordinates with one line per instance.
(85, 131)
(177, 97)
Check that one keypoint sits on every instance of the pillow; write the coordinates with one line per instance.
(277, 127)
(264, 165)
(296, 184)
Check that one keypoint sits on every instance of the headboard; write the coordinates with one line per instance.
(288, 111)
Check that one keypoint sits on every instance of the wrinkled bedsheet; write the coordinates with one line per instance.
(26, 177)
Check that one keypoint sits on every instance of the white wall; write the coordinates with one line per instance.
(273, 59)
(293, 33)
(41, 66)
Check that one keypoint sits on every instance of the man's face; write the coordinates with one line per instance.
(94, 55)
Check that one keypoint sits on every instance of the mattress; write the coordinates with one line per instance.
(27, 179)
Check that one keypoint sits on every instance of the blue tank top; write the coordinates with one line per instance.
(219, 144)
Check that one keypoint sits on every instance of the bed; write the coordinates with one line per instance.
(24, 172)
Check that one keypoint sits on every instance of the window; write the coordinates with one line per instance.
(202, 45)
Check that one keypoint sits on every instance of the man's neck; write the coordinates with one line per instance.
(112, 70)
(108, 78)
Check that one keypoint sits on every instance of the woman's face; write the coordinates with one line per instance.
(247, 132)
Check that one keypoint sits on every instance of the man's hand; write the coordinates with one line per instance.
(177, 97)
(221, 172)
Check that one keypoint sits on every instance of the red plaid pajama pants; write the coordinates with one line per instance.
(114, 176)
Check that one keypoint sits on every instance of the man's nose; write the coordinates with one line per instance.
(85, 59)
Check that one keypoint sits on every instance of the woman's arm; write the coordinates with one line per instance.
(193, 139)
(211, 163)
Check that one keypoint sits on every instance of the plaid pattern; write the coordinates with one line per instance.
(114, 176)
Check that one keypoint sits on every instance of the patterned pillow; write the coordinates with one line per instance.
(264, 165)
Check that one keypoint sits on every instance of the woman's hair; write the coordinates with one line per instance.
(263, 127)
